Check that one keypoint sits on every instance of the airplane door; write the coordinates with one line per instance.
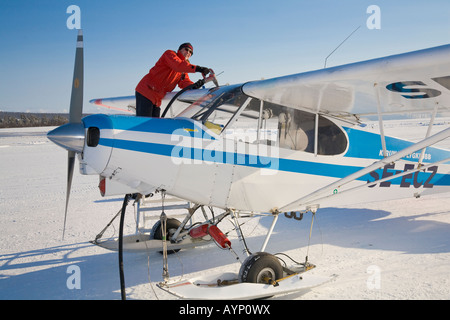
(223, 172)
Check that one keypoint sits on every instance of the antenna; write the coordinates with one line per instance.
(325, 65)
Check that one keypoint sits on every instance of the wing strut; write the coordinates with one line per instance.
(380, 120)
(395, 176)
(325, 191)
(430, 125)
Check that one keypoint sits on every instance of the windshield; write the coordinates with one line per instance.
(218, 107)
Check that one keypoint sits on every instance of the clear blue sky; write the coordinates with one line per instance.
(247, 39)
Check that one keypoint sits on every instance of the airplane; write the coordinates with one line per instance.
(287, 145)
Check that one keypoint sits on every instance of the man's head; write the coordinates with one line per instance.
(186, 49)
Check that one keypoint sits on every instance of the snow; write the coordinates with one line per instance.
(390, 250)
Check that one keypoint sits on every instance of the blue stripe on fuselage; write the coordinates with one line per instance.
(367, 145)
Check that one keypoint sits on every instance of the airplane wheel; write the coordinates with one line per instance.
(261, 267)
(172, 226)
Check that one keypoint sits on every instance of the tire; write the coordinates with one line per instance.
(260, 268)
(171, 227)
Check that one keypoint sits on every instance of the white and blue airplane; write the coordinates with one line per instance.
(288, 145)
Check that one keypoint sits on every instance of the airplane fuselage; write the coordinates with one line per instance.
(236, 170)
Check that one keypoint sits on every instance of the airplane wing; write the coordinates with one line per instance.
(128, 103)
(412, 82)
(124, 104)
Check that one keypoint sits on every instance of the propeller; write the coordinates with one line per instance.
(71, 135)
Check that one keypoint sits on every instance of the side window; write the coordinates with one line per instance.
(295, 129)
(256, 124)
(331, 138)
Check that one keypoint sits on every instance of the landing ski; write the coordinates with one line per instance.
(227, 287)
(143, 243)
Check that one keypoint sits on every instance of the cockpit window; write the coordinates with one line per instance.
(217, 107)
(296, 131)
(228, 109)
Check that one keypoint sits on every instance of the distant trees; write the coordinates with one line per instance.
(18, 119)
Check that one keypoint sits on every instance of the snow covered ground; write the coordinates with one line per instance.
(390, 250)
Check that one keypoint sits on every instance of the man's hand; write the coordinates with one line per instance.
(203, 70)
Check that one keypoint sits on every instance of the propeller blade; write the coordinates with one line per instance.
(76, 100)
(70, 167)
(75, 114)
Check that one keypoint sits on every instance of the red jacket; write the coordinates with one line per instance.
(170, 70)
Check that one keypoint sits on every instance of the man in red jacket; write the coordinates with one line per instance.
(170, 70)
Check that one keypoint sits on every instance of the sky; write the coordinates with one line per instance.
(245, 39)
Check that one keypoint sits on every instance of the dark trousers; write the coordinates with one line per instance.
(146, 108)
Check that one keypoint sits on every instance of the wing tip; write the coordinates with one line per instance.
(96, 101)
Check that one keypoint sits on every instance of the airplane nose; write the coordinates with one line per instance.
(69, 136)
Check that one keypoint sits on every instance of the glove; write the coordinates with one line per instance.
(198, 84)
(203, 70)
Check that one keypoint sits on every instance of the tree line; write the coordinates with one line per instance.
(25, 119)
